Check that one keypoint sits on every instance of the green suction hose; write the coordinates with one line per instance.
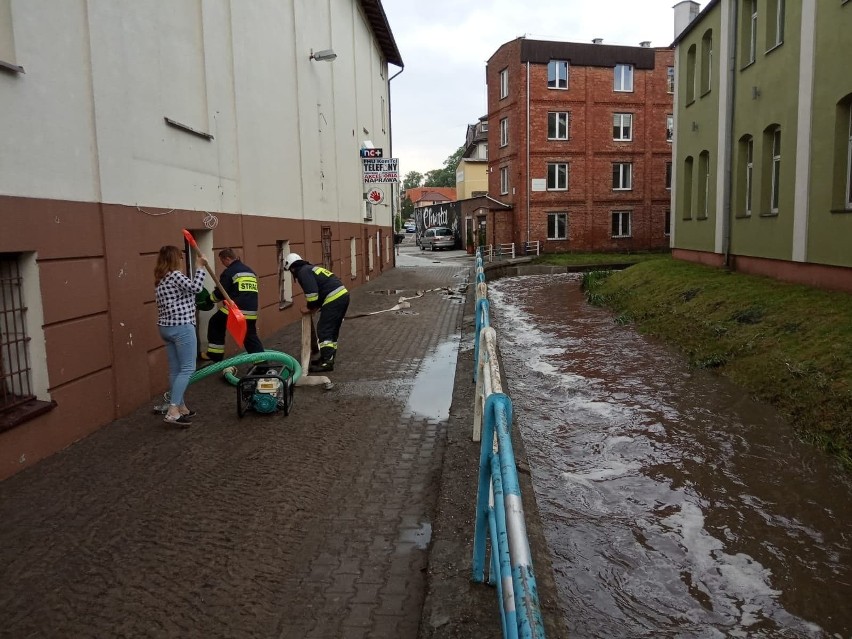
(289, 362)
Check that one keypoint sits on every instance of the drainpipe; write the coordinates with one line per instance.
(727, 207)
(395, 198)
(527, 169)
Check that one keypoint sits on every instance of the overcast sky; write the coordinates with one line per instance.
(446, 43)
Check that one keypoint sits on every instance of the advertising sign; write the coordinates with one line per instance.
(371, 153)
(381, 170)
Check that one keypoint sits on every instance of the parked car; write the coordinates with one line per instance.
(410, 227)
(438, 237)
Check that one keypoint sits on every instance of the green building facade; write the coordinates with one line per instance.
(763, 139)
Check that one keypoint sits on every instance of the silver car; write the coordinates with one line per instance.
(438, 237)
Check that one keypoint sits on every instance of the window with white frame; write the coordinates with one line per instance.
(557, 226)
(669, 127)
(353, 258)
(670, 79)
(622, 176)
(504, 180)
(623, 77)
(749, 173)
(703, 184)
(686, 191)
(776, 171)
(706, 61)
(557, 125)
(690, 74)
(557, 176)
(557, 74)
(504, 131)
(621, 223)
(775, 23)
(749, 31)
(848, 203)
(622, 127)
(285, 279)
(504, 83)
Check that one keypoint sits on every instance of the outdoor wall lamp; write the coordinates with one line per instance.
(326, 55)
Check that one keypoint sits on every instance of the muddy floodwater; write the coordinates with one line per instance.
(674, 505)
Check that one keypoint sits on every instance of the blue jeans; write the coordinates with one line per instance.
(181, 348)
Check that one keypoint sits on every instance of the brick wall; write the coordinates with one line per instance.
(589, 152)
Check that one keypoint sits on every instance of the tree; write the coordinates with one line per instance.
(447, 175)
(412, 180)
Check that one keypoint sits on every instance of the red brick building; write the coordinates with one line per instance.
(579, 146)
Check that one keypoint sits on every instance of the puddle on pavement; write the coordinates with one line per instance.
(420, 537)
(432, 389)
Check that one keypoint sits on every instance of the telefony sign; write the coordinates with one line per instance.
(378, 170)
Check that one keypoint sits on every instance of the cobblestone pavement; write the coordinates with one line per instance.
(351, 517)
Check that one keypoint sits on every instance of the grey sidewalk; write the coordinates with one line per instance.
(317, 524)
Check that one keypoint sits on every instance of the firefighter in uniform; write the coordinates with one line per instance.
(240, 282)
(326, 293)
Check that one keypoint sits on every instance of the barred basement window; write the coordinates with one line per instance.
(15, 381)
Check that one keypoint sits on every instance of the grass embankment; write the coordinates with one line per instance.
(787, 345)
(582, 259)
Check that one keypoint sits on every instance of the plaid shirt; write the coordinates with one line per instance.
(176, 298)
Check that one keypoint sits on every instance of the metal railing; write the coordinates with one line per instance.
(499, 509)
(507, 251)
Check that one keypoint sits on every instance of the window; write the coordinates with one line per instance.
(504, 131)
(848, 203)
(557, 176)
(775, 23)
(749, 31)
(557, 226)
(668, 176)
(703, 185)
(776, 171)
(353, 258)
(484, 127)
(623, 77)
(669, 127)
(690, 74)
(7, 38)
(504, 83)
(667, 223)
(622, 176)
(285, 279)
(670, 82)
(557, 74)
(686, 202)
(748, 172)
(621, 223)
(622, 127)
(706, 61)
(557, 125)
(20, 329)
(504, 180)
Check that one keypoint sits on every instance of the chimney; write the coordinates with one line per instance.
(645, 44)
(597, 40)
(684, 13)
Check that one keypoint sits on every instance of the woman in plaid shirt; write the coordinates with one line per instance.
(175, 296)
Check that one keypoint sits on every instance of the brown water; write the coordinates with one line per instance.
(674, 505)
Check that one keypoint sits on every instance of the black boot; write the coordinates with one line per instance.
(326, 362)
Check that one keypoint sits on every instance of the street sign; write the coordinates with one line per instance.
(375, 195)
(371, 153)
(378, 170)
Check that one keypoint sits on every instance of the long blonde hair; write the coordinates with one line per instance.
(168, 260)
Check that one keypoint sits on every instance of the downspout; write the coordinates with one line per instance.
(729, 107)
(395, 200)
(527, 168)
